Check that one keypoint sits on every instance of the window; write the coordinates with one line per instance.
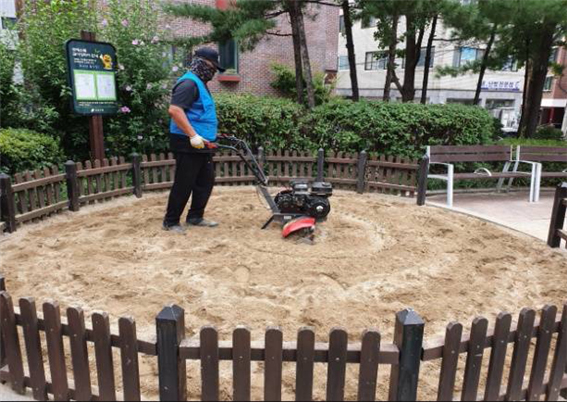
(510, 65)
(460, 101)
(422, 54)
(228, 52)
(467, 55)
(343, 63)
(8, 22)
(342, 24)
(376, 61)
(369, 23)
(492, 104)
(548, 84)
(554, 54)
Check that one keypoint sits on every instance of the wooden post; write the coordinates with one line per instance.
(172, 369)
(362, 159)
(96, 133)
(2, 347)
(261, 157)
(557, 216)
(408, 337)
(422, 180)
(320, 164)
(137, 174)
(72, 185)
(7, 203)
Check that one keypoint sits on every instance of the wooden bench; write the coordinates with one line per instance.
(543, 154)
(449, 155)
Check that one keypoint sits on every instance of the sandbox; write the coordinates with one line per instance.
(375, 256)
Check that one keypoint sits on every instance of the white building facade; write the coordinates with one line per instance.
(501, 93)
(8, 19)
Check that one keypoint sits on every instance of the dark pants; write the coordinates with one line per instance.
(194, 175)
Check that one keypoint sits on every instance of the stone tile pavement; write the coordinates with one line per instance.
(508, 209)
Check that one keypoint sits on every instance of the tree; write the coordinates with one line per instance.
(535, 28)
(522, 32)
(248, 22)
(346, 7)
(479, 23)
(418, 15)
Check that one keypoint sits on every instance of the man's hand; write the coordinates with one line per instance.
(197, 142)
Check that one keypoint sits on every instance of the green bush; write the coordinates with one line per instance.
(284, 82)
(548, 132)
(268, 122)
(343, 125)
(144, 74)
(6, 74)
(22, 150)
(395, 128)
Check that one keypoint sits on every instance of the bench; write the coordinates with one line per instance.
(449, 155)
(544, 154)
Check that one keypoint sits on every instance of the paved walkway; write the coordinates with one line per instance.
(512, 210)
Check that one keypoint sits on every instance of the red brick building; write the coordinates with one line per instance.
(554, 103)
(253, 72)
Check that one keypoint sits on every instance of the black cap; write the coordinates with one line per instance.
(211, 55)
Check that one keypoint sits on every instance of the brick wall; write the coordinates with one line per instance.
(559, 87)
(254, 67)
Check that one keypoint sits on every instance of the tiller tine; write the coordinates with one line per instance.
(304, 226)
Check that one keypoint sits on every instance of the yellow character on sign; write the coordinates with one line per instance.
(106, 61)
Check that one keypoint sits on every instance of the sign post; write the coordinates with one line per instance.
(92, 77)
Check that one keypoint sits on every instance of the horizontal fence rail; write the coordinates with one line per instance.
(31, 196)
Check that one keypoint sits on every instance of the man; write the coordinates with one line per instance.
(193, 126)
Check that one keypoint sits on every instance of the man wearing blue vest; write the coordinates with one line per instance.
(193, 125)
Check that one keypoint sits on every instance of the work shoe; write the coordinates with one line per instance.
(202, 222)
(175, 228)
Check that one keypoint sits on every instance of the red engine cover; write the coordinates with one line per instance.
(298, 224)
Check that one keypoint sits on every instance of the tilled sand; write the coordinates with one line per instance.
(376, 255)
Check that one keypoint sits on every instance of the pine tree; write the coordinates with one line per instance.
(250, 21)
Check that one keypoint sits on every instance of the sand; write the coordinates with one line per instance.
(376, 255)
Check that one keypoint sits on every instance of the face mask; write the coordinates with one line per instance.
(202, 69)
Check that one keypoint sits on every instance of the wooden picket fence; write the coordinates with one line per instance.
(403, 358)
(40, 194)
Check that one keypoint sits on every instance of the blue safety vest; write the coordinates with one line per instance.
(202, 115)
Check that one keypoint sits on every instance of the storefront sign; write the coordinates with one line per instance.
(92, 77)
(501, 85)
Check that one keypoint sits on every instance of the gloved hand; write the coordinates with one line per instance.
(197, 142)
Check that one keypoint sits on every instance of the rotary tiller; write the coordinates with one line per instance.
(299, 207)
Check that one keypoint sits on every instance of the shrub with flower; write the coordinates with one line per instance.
(144, 77)
(144, 74)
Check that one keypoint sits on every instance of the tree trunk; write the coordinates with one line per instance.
(484, 65)
(297, 53)
(350, 49)
(528, 69)
(428, 60)
(413, 50)
(538, 75)
(307, 75)
(391, 58)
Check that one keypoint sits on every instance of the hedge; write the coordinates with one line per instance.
(22, 150)
(342, 125)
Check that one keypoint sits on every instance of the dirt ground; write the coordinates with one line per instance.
(375, 256)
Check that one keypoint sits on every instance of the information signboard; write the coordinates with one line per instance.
(92, 77)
